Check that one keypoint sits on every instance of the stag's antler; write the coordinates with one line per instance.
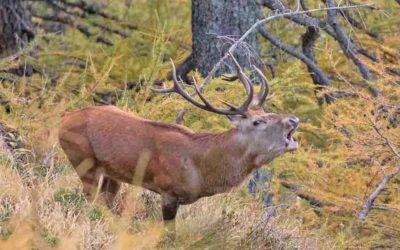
(260, 98)
(206, 105)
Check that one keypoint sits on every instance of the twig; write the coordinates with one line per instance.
(322, 78)
(308, 20)
(317, 74)
(386, 140)
(345, 41)
(179, 118)
(368, 205)
(312, 200)
(355, 23)
(262, 21)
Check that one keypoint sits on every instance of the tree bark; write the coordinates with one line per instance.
(215, 26)
(16, 28)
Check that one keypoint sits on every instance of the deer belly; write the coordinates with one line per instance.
(134, 168)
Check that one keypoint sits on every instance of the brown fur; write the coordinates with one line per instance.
(171, 160)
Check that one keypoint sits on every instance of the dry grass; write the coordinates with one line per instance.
(44, 208)
(41, 202)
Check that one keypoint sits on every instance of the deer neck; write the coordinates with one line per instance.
(224, 160)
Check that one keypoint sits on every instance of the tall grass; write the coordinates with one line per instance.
(41, 200)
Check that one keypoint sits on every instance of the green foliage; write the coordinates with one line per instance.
(70, 199)
(50, 239)
(328, 166)
(63, 169)
(5, 233)
(6, 210)
(96, 214)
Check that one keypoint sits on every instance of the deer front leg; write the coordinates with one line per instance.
(169, 209)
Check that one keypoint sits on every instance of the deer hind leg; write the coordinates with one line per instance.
(92, 180)
(109, 189)
(96, 184)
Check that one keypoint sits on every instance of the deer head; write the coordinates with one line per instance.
(267, 134)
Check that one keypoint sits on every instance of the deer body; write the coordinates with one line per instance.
(183, 163)
(107, 146)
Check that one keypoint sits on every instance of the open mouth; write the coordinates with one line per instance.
(291, 144)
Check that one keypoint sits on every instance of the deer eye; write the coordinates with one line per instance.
(258, 122)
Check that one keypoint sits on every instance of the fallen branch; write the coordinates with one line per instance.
(312, 200)
(393, 71)
(81, 27)
(342, 94)
(91, 9)
(76, 13)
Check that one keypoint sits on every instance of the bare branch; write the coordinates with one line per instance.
(318, 76)
(179, 118)
(255, 27)
(308, 20)
(385, 140)
(91, 9)
(81, 27)
(110, 29)
(357, 24)
(344, 41)
(368, 205)
(312, 200)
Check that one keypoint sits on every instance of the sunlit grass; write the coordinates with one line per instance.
(41, 202)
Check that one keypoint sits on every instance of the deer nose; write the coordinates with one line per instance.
(293, 121)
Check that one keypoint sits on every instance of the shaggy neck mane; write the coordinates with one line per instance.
(218, 138)
(223, 154)
(215, 148)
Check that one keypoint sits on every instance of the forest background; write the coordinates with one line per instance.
(338, 71)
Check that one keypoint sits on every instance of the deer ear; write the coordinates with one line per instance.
(235, 119)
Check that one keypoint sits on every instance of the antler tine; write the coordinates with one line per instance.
(178, 89)
(232, 111)
(206, 106)
(263, 94)
(168, 90)
(247, 85)
(163, 91)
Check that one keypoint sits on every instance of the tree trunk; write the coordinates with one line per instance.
(215, 26)
(16, 28)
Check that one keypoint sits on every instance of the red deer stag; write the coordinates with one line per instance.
(108, 146)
